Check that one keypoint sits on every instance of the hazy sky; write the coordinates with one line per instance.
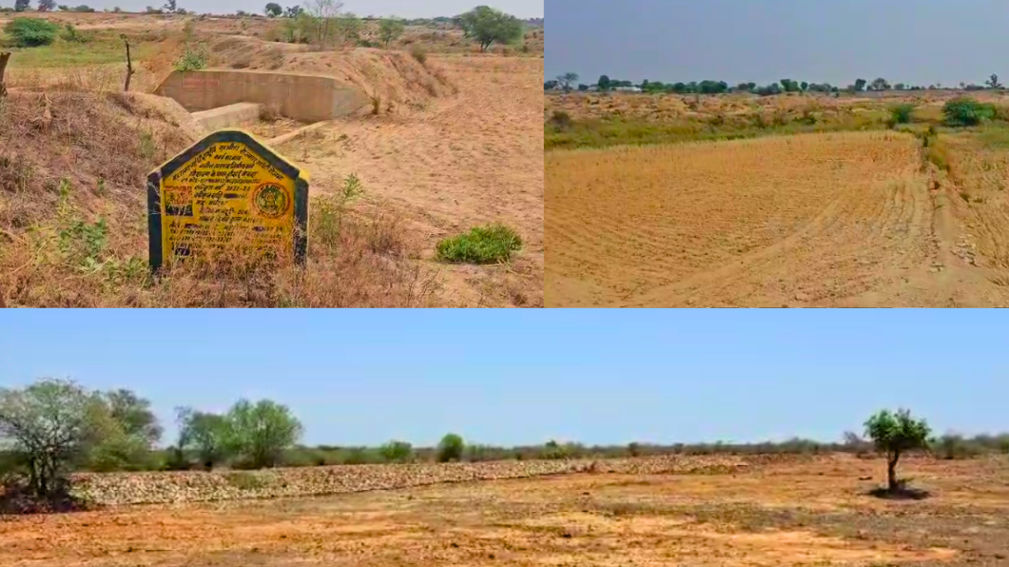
(517, 376)
(835, 41)
(402, 8)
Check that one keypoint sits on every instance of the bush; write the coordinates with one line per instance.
(450, 448)
(71, 35)
(31, 32)
(191, 60)
(481, 245)
(901, 114)
(967, 112)
(561, 120)
(396, 451)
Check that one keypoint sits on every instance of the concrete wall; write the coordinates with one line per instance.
(227, 116)
(309, 98)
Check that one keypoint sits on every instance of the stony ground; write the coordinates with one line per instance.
(112, 489)
(773, 513)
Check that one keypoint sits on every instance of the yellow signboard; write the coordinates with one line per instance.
(227, 194)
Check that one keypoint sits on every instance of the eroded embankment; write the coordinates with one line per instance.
(394, 80)
(111, 489)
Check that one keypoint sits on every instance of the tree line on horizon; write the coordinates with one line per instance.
(53, 427)
(568, 82)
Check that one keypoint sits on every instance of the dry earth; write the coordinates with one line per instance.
(829, 220)
(456, 142)
(468, 159)
(777, 512)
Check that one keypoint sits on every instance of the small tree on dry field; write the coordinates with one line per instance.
(450, 448)
(262, 431)
(48, 424)
(488, 26)
(208, 435)
(895, 434)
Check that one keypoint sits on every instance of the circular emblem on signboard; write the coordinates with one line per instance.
(271, 200)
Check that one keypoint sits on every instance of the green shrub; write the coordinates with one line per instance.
(450, 448)
(31, 32)
(965, 111)
(71, 35)
(191, 60)
(481, 245)
(396, 451)
(901, 114)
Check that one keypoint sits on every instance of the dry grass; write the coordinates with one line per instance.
(74, 232)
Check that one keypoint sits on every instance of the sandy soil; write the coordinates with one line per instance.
(840, 219)
(456, 141)
(795, 512)
(462, 160)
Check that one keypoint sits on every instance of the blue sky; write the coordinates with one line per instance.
(922, 42)
(526, 376)
(401, 8)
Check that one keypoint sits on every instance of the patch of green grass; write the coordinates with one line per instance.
(481, 245)
(994, 136)
(616, 131)
(100, 49)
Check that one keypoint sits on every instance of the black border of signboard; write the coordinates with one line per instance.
(166, 169)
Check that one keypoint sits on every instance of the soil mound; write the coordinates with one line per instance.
(396, 80)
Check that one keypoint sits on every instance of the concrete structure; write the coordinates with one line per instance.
(228, 116)
(309, 98)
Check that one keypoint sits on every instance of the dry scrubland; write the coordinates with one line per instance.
(787, 201)
(752, 511)
(451, 141)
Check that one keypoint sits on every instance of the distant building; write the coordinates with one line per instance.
(628, 89)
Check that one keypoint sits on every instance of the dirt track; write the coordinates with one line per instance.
(841, 219)
(790, 513)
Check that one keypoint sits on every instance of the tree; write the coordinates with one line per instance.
(273, 10)
(859, 84)
(487, 26)
(293, 11)
(803, 86)
(895, 434)
(879, 84)
(262, 431)
(134, 414)
(123, 430)
(170, 6)
(396, 451)
(209, 435)
(390, 29)
(46, 5)
(992, 82)
(21, 5)
(603, 83)
(47, 423)
(567, 80)
(450, 448)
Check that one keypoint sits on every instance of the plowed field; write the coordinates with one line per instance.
(832, 219)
